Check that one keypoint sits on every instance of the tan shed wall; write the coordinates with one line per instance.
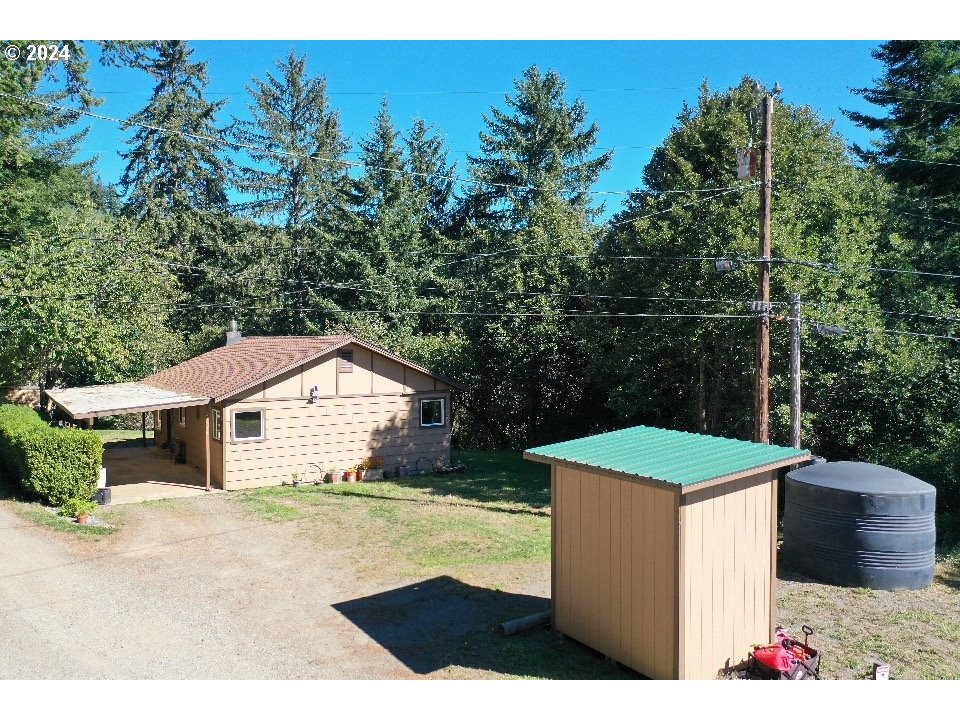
(615, 555)
(333, 432)
(726, 538)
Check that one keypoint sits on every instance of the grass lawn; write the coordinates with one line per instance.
(485, 534)
(470, 530)
(498, 511)
(916, 632)
(39, 515)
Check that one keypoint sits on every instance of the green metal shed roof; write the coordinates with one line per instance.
(670, 456)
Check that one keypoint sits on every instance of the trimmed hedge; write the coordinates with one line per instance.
(53, 463)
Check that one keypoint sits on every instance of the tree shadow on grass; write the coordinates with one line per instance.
(491, 476)
(443, 622)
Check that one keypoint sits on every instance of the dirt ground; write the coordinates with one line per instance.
(238, 586)
(203, 588)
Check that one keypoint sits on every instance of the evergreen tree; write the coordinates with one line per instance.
(173, 168)
(37, 145)
(919, 144)
(432, 180)
(528, 223)
(862, 392)
(400, 205)
(71, 277)
(298, 182)
(918, 149)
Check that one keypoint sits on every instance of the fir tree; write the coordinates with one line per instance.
(919, 144)
(173, 167)
(299, 182)
(528, 222)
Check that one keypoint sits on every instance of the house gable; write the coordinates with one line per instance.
(348, 369)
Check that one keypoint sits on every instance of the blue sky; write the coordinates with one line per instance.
(633, 89)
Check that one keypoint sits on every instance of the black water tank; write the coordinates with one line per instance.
(861, 525)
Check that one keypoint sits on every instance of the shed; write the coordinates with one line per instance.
(664, 546)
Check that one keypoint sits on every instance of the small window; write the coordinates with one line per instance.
(248, 425)
(183, 417)
(431, 413)
(345, 361)
(217, 425)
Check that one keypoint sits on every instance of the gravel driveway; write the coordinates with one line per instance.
(202, 589)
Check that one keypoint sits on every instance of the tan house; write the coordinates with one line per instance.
(254, 412)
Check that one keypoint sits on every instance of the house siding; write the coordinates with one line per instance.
(193, 433)
(373, 410)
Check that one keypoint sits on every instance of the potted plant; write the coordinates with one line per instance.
(350, 475)
(373, 470)
(295, 477)
(335, 475)
(78, 509)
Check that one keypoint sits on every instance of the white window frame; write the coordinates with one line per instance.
(443, 412)
(216, 428)
(233, 425)
(182, 417)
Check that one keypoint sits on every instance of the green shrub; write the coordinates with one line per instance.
(75, 507)
(937, 464)
(55, 464)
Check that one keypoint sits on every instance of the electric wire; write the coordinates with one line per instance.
(237, 145)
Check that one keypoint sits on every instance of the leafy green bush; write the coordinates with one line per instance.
(75, 507)
(937, 464)
(55, 464)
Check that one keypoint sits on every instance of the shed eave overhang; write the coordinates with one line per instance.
(802, 457)
(92, 401)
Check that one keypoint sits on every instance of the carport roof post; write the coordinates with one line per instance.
(685, 461)
(119, 399)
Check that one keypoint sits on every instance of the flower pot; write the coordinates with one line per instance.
(83, 519)
(360, 475)
(373, 475)
(335, 476)
(350, 476)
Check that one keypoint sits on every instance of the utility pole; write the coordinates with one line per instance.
(761, 415)
(795, 370)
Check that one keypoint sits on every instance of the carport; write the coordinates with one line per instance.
(86, 403)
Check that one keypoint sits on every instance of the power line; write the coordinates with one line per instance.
(404, 93)
(865, 91)
(931, 219)
(236, 145)
(915, 160)
(724, 191)
(921, 316)
(887, 331)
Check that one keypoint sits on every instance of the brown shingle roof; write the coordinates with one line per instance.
(228, 370)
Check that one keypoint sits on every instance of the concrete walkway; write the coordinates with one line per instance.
(135, 474)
